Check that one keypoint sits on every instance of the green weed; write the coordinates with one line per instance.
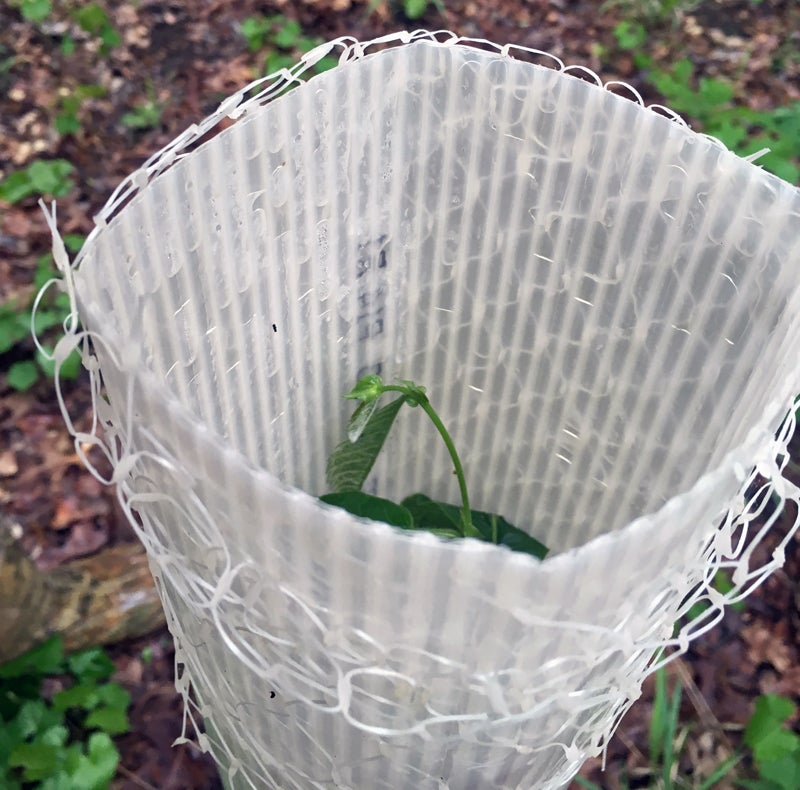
(630, 35)
(68, 110)
(49, 177)
(415, 9)
(60, 740)
(285, 40)
(712, 106)
(95, 21)
(146, 115)
(35, 10)
(410, 9)
(711, 102)
(776, 748)
(15, 327)
(90, 17)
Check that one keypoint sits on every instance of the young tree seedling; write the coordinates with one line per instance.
(352, 460)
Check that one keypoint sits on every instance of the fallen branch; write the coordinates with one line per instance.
(95, 600)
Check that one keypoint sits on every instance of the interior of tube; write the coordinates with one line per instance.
(592, 295)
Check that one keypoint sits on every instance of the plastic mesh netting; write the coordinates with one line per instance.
(605, 309)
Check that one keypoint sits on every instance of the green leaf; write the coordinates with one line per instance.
(351, 462)
(253, 29)
(71, 366)
(67, 124)
(45, 659)
(518, 540)
(114, 696)
(110, 38)
(22, 376)
(36, 10)
(97, 769)
(110, 720)
(683, 70)
(776, 746)
(630, 35)
(33, 716)
(287, 36)
(92, 664)
(10, 331)
(414, 9)
(783, 771)
(54, 736)
(367, 506)
(361, 416)
(81, 695)
(325, 64)
(723, 584)
(729, 133)
(16, 186)
(37, 760)
(783, 169)
(91, 18)
(489, 524)
(715, 92)
(307, 44)
(770, 714)
(73, 241)
(51, 177)
(275, 62)
(429, 513)
(44, 320)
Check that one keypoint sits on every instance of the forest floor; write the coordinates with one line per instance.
(106, 98)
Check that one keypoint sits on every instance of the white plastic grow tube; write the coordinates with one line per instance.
(605, 308)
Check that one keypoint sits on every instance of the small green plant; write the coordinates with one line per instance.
(60, 739)
(67, 120)
(351, 461)
(741, 129)
(49, 177)
(146, 115)
(94, 20)
(90, 17)
(711, 104)
(35, 10)
(410, 9)
(415, 9)
(285, 40)
(15, 327)
(776, 748)
(630, 35)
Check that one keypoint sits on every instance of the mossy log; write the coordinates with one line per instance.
(95, 600)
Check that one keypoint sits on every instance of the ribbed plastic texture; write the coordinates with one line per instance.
(605, 309)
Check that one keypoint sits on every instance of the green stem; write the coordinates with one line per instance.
(416, 397)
